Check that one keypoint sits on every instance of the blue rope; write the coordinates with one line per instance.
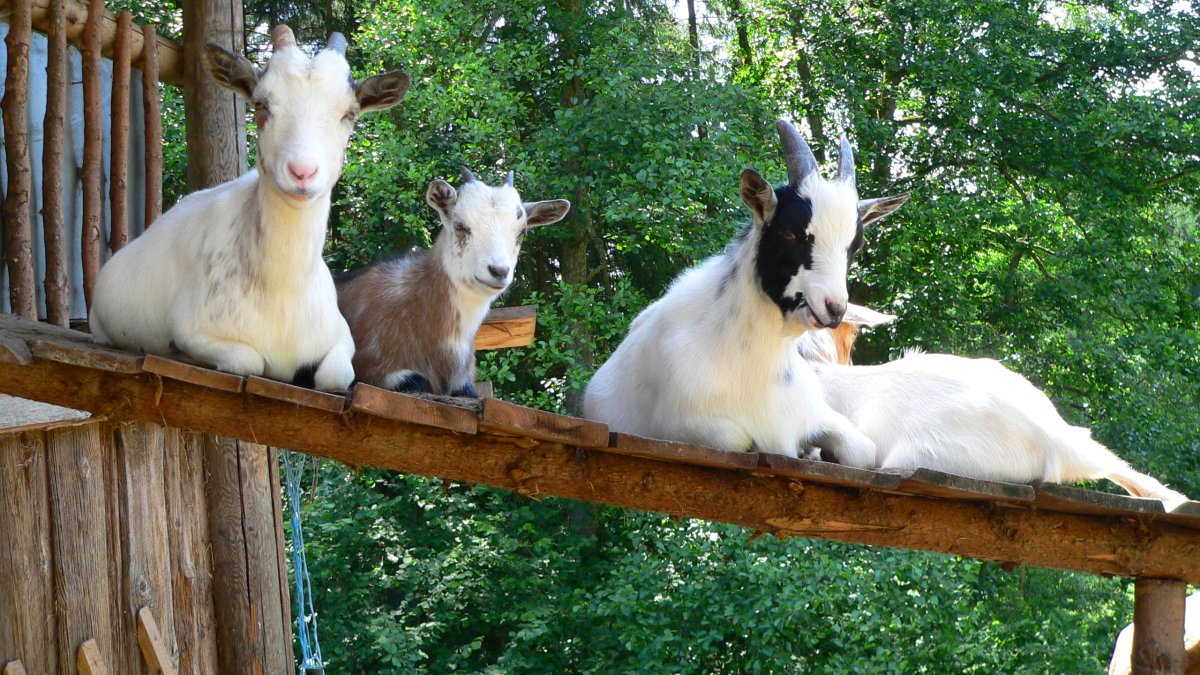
(306, 615)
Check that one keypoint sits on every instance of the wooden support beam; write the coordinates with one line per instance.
(1158, 618)
(154, 649)
(58, 301)
(118, 172)
(216, 121)
(88, 660)
(507, 327)
(18, 235)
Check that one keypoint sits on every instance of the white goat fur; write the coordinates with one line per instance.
(233, 275)
(715, 360)
(418, 315)
(971, 417)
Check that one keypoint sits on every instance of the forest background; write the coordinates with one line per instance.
(1052, 152)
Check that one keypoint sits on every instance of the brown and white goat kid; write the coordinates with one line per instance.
(414, 318)
(971, 417)
(233, 275)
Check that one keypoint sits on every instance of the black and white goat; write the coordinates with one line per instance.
(971, 417)
(414, 318)
(233, 275)
(715, 360)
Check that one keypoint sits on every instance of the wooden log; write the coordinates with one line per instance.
(93, 149)
(118, 172)
(154, 648)
(215, 124)
(1158, 606)
(152, 123)
(76, 14)
(54, 227)
(83, 596)
(18, 235)
(89, 660)
(507, 327)
(191, 570)
(1132, 545)
(26, 588)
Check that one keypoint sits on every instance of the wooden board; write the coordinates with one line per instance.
(154, 649)
(187, 372)
(1186, 514)
(671, 451)
(309, 398)
(14, 668)
(88, 356)
(1067, 499)
(518, 420)
(404, 408)
(507, 327)
(89, 661)
(14, 350)
(826, 472)
(932, 483)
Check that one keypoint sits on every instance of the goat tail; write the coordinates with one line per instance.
(1097, 461)
(1140, 485)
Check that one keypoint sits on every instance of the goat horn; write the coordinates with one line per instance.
(797, 154)
(467, 176)
(508, 179)
(845, 161)
(336, 43)
(282, 37)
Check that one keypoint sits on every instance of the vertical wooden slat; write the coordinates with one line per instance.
(17, 230)
(54, 227)
(259, 476)
(83, 596)
(190, 569)
(152, 121)
(93, 149)
(118, 174)
(1158, 613)
(285, 588)
(26, 590)
(120, 660)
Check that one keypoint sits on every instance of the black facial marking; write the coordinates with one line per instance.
(856, 245)
(785, 247)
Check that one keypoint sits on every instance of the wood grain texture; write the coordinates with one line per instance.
(188, 372)
(18, 233)
(215, 119)
(258, 477)
(402, 407)
(1158, 619)
(89, 660)
(118, 171)
(1075, 500)
(826, 472)
(310, 398)
(14, 668)
(83, 354)
(509, 418)
(154, 647)
(152, 123)
(950, 486)
(54, 233)
(15, 350)
(92, 228)
(672, 451)
(26, 584)
(507, 327)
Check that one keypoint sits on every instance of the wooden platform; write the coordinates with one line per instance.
(542, 454)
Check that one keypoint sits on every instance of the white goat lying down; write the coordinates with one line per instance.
(233, 275)
(971, 417)
(715, 360)
(414, 318)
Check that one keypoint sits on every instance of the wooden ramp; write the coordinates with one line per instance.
(542, 454)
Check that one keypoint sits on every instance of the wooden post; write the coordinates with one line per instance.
(1158, 609)
(58, 301)
(93, 150)
(153, 125)
(118, 178)
(17, 230)
(216, 130)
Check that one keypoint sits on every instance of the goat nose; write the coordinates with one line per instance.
(836, 311)
(498, 271)
(301, 171)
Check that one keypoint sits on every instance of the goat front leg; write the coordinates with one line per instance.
(238, 358)
(850, 446)
(336, 373)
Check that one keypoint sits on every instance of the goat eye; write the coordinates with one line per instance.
(789, 236)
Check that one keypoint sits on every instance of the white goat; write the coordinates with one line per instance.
(233, 275)
(971, 417)
(414, 318)
(714, 361)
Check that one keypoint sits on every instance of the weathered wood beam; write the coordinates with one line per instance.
(76, 13)
(58, 301)
(152, 122)
(1158, 606)
(93, 149)
(18, 233)
(507, 327)
(118, 172)
(755, 498)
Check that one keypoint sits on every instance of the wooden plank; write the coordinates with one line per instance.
(518, 420)
(14, 350)
(1132, 544)
(26, 588)
(485, 390)
(54, 232)
(86, 355)
(827, 472)
(507, 327)
(93, 149)
(1186, 514)
(152, 123)
(18, 233)
(83, 595)
(154, 648)
(1158, 620)
(1067, 499)
(671, 451)
(118, 172)
(14, 668)
(191, 569)
(283, 578)
(260, 504)
(404, 408)
(930, 483)
(309, 398)
(89, 660)
(198, 375)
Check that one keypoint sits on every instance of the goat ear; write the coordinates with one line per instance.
(380, 92)
(865, 316)
(546, 213)
(230, 70)
(442, 198)
(871, 210)
(758, 195)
